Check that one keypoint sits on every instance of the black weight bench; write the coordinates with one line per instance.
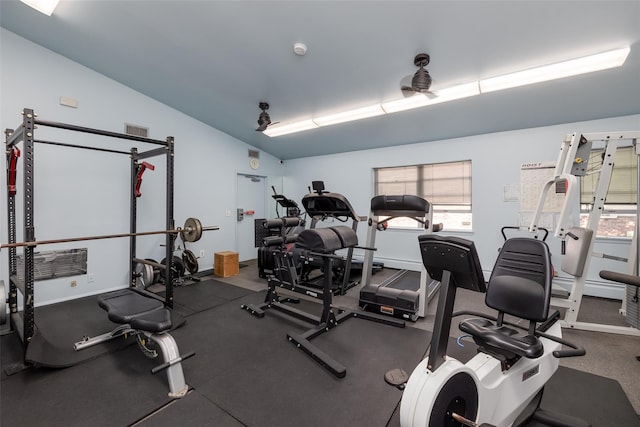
(147, 319)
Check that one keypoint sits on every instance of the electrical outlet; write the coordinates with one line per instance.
(73, 283)
(201, 253)
(90, 278)
(227, 213)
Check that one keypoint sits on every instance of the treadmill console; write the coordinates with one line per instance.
(406, 206)
(328, 204)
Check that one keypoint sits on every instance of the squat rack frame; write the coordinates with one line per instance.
(25, 325)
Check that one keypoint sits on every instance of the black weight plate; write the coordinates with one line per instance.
(190, 261)
(177, 265)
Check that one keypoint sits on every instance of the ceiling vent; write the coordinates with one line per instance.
(135, 130)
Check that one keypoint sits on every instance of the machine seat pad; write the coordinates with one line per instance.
(486, 332)
(326, 240)
(126, 306)
(156, 321)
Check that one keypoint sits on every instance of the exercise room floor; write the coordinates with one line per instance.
(246, 373)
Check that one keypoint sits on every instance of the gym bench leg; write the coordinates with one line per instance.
(169, 349)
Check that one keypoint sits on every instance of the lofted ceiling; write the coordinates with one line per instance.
(216, 60)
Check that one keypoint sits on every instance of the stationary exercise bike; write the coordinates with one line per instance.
(502, 385)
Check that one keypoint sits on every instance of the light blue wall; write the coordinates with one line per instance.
(82, 192)
(496, 160)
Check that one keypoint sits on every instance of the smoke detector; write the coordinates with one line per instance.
(300, 49)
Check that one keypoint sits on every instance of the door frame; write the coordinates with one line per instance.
(265, 200)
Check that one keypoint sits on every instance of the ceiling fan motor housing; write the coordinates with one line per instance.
(421, 79)
(264, 119)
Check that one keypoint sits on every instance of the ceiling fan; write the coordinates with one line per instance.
(264, 120)
(421, 81)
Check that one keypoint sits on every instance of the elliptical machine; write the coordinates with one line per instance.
(502, 385)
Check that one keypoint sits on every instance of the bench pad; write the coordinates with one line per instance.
(126, 306)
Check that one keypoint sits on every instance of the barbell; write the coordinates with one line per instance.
(191, 232)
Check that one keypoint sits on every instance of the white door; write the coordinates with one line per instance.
(251, 197)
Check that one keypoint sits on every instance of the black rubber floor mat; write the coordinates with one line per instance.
(263, 380)
(205, 295)
(113, 390)
(193, 410)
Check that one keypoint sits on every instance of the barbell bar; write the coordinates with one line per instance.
(191, 232)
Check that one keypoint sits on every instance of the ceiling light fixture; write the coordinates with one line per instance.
(291, 127)
(588, 64)
(351, 115)
(574, 67)
(419, 100)
(43, 6)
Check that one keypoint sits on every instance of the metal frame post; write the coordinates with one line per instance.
(133, 215)
(29, 230)
(170, 238)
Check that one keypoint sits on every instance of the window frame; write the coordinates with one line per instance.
(621, 211)
(463, 207)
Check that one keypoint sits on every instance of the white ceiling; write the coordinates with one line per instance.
(216, 60)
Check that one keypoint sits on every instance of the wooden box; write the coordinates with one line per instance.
(225, 263)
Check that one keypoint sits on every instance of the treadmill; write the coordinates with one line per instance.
(406, 293)
(321, 205)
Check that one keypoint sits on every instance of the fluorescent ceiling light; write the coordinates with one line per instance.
(587, 64)
(443, 95)
(291, 127)
(44, 6)
(351, 115)
(416, 101)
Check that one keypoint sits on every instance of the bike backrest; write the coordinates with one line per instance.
(520, 283)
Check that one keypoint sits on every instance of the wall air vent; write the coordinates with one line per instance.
(135, 130)
(254, 154)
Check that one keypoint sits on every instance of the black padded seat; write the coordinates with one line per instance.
(520, 285)
(502, 339)
(326, 240)
(156, 321)
(126, 306)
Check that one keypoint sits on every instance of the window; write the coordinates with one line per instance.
(619, 215)
(447, 186)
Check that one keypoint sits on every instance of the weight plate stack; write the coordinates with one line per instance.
(144, 275)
